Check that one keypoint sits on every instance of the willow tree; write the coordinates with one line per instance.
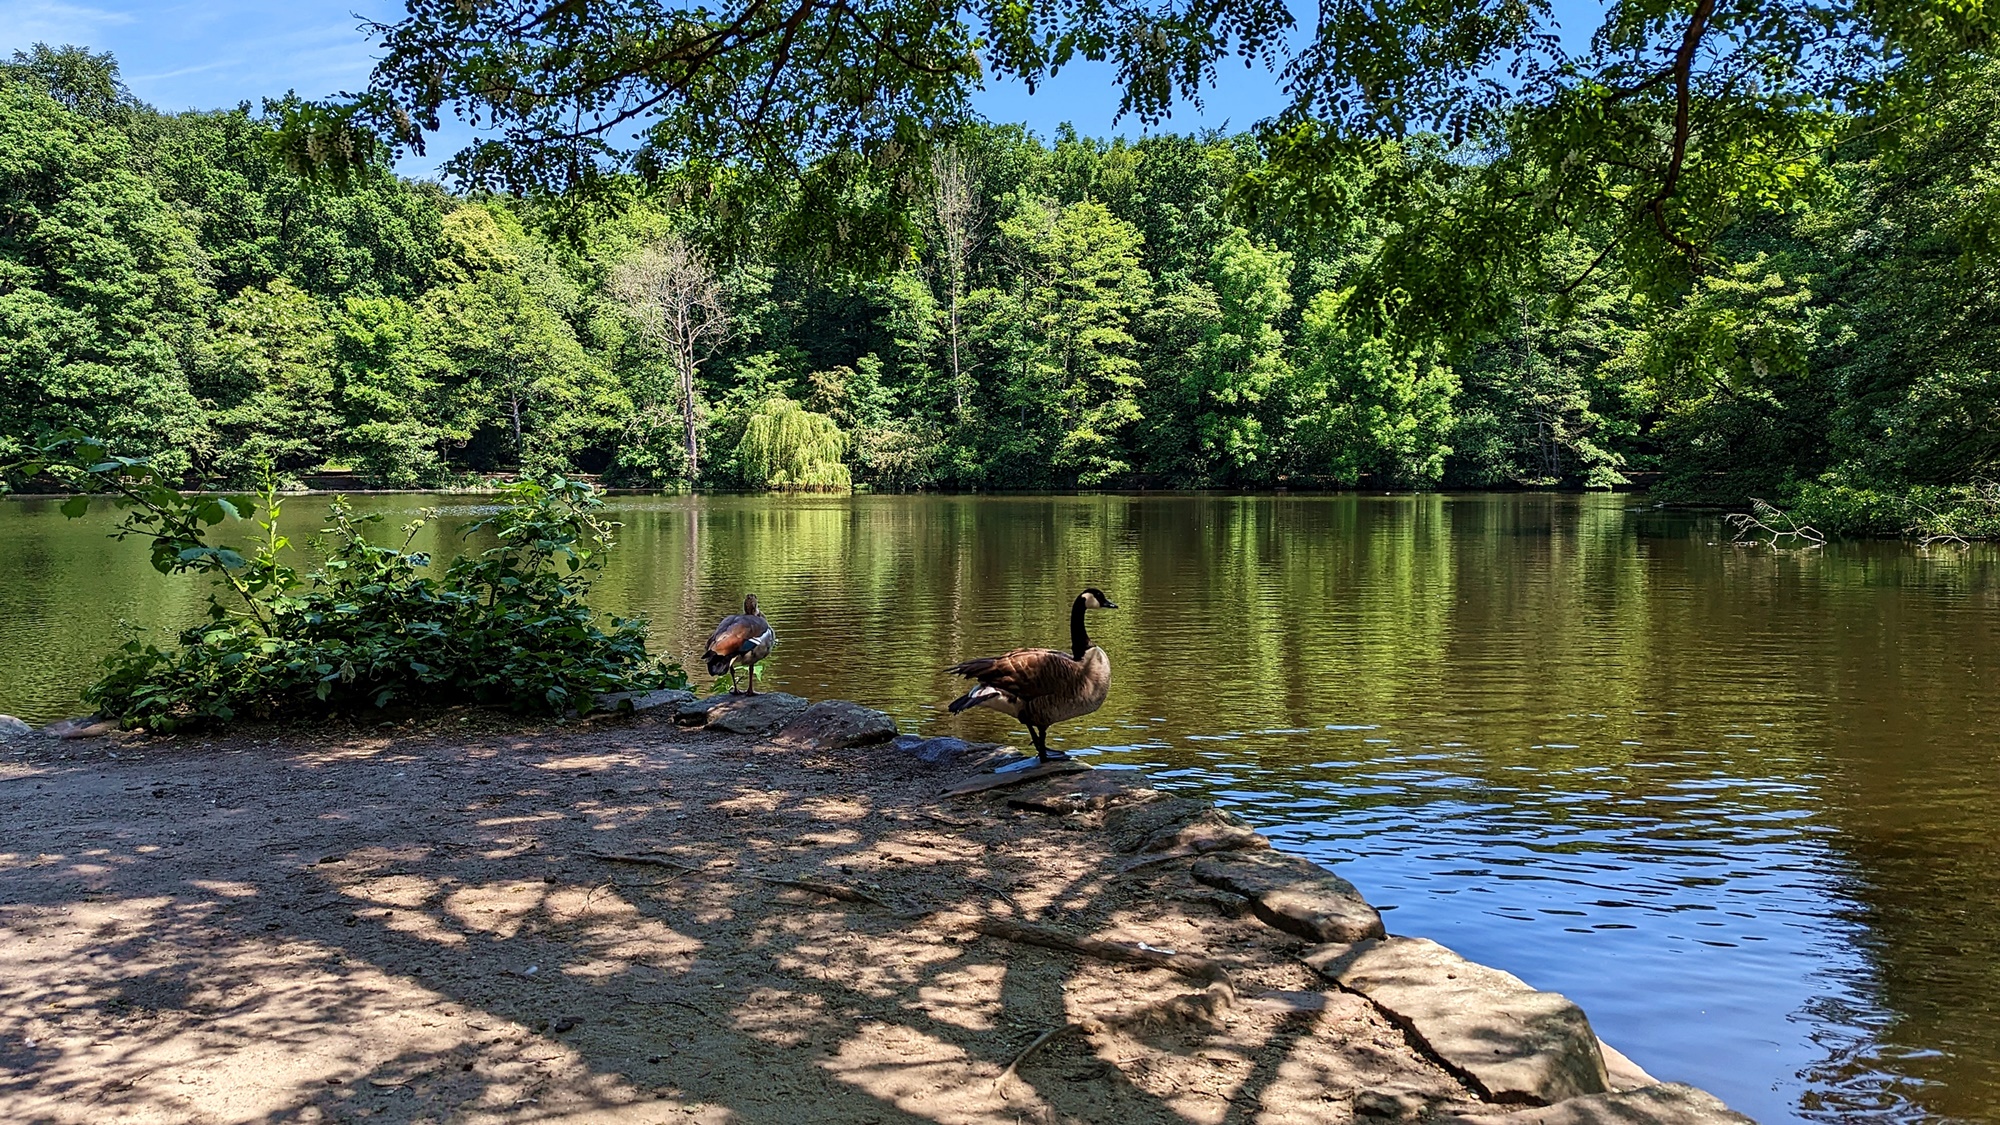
(675, 298)
(792, 449)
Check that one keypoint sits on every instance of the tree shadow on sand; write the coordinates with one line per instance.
(422, 929)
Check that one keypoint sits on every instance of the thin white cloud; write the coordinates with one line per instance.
(24, 22)
(181, 73)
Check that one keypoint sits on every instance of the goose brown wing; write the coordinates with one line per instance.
(1026, 673)
(736, 633)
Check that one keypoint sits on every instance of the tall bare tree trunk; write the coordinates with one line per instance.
(688, 419)
(675, 297)
(955, 212)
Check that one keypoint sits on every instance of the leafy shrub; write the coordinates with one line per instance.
(1928, 513)
(506, 627)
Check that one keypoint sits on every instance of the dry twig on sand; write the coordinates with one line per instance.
(828, 890)
(1186, 964)
(643, 861)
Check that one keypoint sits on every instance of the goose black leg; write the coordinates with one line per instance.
(1042, 751)
(753, 677)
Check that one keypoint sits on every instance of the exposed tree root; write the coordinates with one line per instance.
(1186, 964)
(828, 890)
(1002, 892)
(1040, 1041)
(642, 861)
(838, 891)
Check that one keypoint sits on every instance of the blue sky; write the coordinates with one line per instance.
(215, 54)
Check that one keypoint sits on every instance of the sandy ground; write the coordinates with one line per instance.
(406, 924)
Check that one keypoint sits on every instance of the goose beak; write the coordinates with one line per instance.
(1107, 603)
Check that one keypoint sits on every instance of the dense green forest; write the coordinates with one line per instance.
(1049, 313)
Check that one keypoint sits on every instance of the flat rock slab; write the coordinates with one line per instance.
(1624, 1073)
(939, 751)
(1132, 826)
(1295, 895)
(836, 724)
(1087, 792)
(1512, 1043)
(629, 701)
(83, 726)
(1667, 1103)
(1211, 831)
(1014, 778)
(1226, 903)
(740, 714)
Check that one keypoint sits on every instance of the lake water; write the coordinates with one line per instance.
(1741, 805)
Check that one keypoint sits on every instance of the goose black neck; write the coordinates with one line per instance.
(1078, 639)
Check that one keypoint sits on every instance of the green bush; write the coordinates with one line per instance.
(1929, 513)
(507, 627)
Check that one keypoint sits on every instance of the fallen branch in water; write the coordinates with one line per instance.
(1765, 518)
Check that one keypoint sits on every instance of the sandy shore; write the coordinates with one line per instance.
(629, 920)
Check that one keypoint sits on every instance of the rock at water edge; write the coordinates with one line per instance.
(1623, 1072)
(1294, 895)
(642, 700)
(938, 751)
(740, 714)
(1667, 1103)
(1212, 830)
(1511, 1042)
(82, 726)
(12, 728)
(1088, 791)
(836, 724)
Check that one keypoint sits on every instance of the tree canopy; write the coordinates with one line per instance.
(1650, 137)
(1063, 312)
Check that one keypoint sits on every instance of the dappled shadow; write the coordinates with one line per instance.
(416, 928)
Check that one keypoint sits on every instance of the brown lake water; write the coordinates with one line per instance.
(1741, 805)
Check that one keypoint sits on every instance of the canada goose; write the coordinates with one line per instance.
(742, 639)
(1042, 686)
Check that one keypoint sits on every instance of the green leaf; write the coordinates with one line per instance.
(75, 506)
